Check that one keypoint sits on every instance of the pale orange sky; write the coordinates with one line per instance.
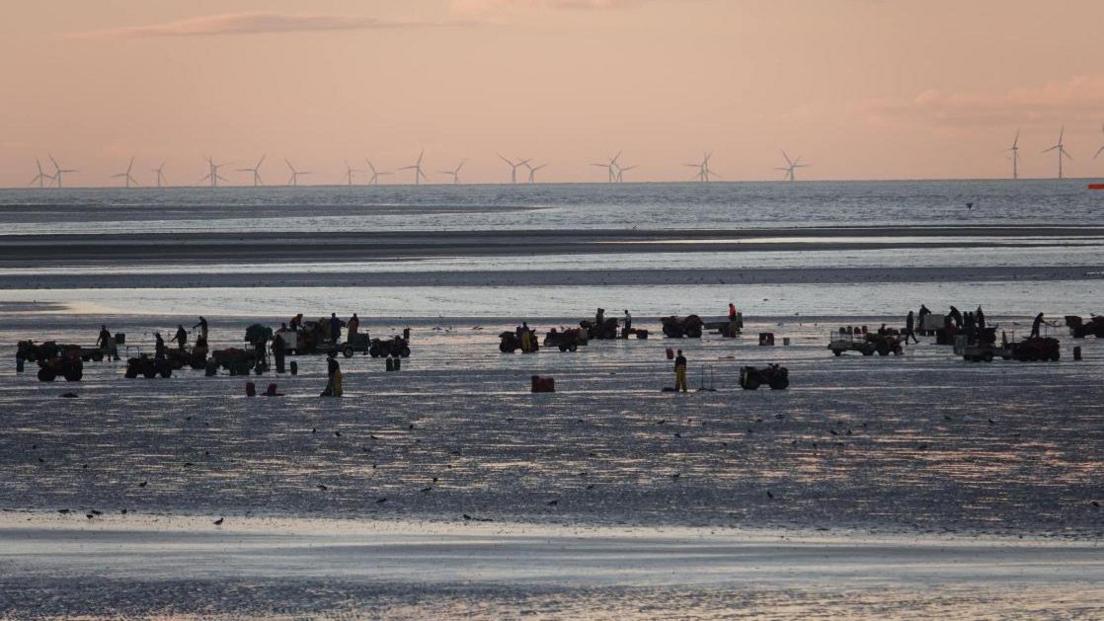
(860, 88)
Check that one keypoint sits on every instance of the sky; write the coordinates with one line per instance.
(860, 89)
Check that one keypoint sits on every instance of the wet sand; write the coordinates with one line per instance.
(252, 568)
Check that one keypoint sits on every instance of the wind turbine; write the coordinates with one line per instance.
(1099, 151)
(455, 173)
(125, 176)
(417, 168)
(213, 175)
(1060, 148)
(705, 174)
(41, 177)
(1015, 151)
(295, 174)
(612, 167)
(621, 170)
(256, 170)
(514, 167)
(533, 171)
(376, 174)
(160, 174)
(59, 171)
(349, 172)
(791, 166)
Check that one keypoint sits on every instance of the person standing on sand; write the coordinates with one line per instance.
(1036, 324)
(980, 316)
(354, 326)
(202, 325)
(335, 328)
(158, 346)
(909, 326)
(333, 369)
(731, 312)
(279, 350)
(181, 337)
(680, 372)
(107, 344)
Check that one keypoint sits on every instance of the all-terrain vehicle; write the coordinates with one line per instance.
(773, 375)
(148, 367)
(570, 339)
(395, 346)
(604, 331)
(66, 362)
(1079, 328)
(1036, 349)
(510, 342)
(237, 361)
(675, 327)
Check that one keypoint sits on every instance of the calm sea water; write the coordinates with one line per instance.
(648, 206)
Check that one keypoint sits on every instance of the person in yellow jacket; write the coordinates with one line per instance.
(680, 372)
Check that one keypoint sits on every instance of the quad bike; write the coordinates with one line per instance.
(604, 331)
(773, 375)
(1079, 328)
(148, 367)
(675, 327)
(565, 340)
(510, 342)
(395, 346)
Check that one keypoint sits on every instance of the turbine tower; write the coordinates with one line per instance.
(455, 173)
(59, 172)
(1060, 148)
(513, 167)
(41, 177)
(126, 176)
(256, 170)
(612, 167)
(417, 168)
(705, 173)
(349, 172)
(213, 175)
(295, 174)
(1015, 151)
(160, 170)
(533, 171)
(621, 170)
(1098, 152)
(376, 174)
(791, 167)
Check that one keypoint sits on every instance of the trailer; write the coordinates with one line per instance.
(867, 344)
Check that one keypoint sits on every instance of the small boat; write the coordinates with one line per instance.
(1096, 186)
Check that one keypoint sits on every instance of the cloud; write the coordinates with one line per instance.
(482, 6)
(1075, 100)
(248, 24)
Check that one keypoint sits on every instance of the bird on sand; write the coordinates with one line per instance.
(218, 522)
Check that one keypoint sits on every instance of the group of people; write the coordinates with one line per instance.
(108, 344)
